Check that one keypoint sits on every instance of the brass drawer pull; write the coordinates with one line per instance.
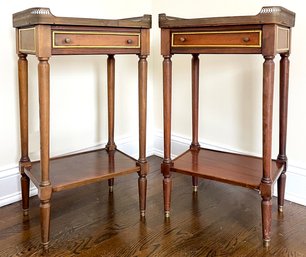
(182, 39)
(67, 40)
(246, 39)
(129, 41)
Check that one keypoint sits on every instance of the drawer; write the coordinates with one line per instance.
(84, 39)
(245, 38)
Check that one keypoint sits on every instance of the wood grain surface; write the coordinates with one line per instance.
(84, 168)
(230, 168)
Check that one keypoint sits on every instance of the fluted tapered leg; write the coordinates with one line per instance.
(283, 113)
(266, 181)
(23, 107)
(166, 165)
(142, 161)
(111, 146)
(195, 64)
(45, 189)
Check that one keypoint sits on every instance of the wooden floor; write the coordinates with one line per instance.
(221, 220)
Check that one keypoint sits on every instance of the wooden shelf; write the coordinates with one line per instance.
(84, 168)
(230, 168)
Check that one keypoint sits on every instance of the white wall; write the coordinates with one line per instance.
(230, 104)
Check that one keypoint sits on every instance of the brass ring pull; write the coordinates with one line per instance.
(182, 39)
(246, 39)
(129, 41)
(67, 40)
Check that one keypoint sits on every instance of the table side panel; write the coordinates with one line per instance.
(27, 40)
(282, 39)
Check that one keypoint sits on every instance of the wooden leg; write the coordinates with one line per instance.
(45, 189)
(142, 190)
(111, 185)
(281, 184)
(25, 190)
(283, 112)
(166, 165)
(111, 101)
(111, 146)
(195, 64)
(23, 105)
(266, 182)
(167, 188)
(195, 183)
(142, 161)
(266, 209)
(45, 223)
(111, 163)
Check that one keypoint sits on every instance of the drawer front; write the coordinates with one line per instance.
(246, 38)
(83, 39)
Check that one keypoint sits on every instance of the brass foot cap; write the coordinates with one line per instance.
(167, 214)
(195, 189)
(280, 208)
(110, 189)
(25, 212)
(45, 247)
(266, 242)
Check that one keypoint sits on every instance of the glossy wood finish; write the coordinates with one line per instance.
(111, 102)
(283, 112)
(111, 146)
(23, 107)
(80, 39)
(44, 185)
(142, 161)
(42, 34)
(166, 165)
(267, 180)
(268, 34)
(88, 167)
(195, 72)
(236, 169)
(95, 40)
(215, 39)
(220, 220)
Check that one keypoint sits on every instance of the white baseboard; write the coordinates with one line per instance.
(10, 186)
(10, 189)
(296, 175)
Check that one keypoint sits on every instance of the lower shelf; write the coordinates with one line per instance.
(230, 168)
(84, 168)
